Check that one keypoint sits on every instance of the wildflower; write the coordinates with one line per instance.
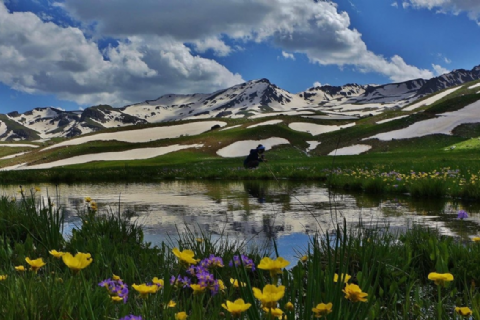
(145, 289)
(343, 276)
(354, 293)
(158, 282)
(197, 288)
(199, 240)
(181, 315)
(131, 317)
(463, 311)
(180, 282)
(93, 205)
(270, 295)
(275, 266)
(322, 309)
(3, 277)
(440, 278)
(56, 253)
(88, 199)
(78, 262)
(20, 268)
(476, 239)
(221, 285)
(462, 214)
(211, 262)
(236, 307)
(116, 288)
(116, 298)
(242, 260)
(171, 304)
(274, 312)
(304, 258)
(35, 264)
(116, 278)
(289, 306)
(185, 256)
(236, 283)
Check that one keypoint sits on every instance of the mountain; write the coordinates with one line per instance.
(249, 99)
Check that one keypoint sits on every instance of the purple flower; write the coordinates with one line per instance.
(211, 262)
(180, 282)
(131, 317)
(462, 214)
(116, 288)
(246, 261)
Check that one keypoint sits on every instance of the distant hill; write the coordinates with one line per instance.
(249, 99)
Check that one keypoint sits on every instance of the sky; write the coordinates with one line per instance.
(73, 54)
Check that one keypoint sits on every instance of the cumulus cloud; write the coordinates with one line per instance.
(317, 84)
(439, 70)
(287, 55)
(394, 4)
(41, 57)
(314, 28)
(154, 38)
(471, 7)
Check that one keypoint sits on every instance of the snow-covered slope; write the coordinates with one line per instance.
(251, 99)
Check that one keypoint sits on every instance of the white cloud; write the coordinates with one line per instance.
(314, 28)
(405, 4)
(439, 70)
(287, 55)
(317, 84)
(395, 4)
(471, 7)
(447, 60)
(41, 57)
(153, 56)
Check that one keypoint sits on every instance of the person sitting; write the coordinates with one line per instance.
(255, 157)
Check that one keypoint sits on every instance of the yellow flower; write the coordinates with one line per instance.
(304, 258)
(199, 240)
(185, 256)
(275, 266)
(275, 312)
(221, 285)
(4, 277)
(144, 289)
(35, 264)
(237, 283)
(440, 278)
(37, 189)
(78, 262)
(158, 282)
(20, 268)
(197, 288)
(289, 306)
(354, 293)
(343, 276)
(463, 311)
(56, 253)
(236, 307)
(181, 315)
(116, 278)
(93, 205)
(88, 199)
(270, 295)
(476, 239)
(322, 309)
(171, 304)
(116, 298)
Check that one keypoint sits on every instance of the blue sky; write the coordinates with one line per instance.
(73, 54)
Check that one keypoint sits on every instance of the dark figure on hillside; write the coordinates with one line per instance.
(255, 157)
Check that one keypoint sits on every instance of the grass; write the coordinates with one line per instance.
(391, 269)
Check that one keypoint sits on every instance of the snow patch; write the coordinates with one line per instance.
(134, 154)
(431, 100)
(444, 124)
(351, 150)
(238, 125)
(312, 145)
(474, 86)
(316, 129)
(18, 145)
(391, 119)
(145, 135)
(13, 155)
(266, 123)
(242, 148)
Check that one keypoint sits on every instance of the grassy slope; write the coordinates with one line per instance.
(203, 162)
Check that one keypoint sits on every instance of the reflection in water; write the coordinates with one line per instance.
(259, 211)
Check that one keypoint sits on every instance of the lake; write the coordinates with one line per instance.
(254, 211)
